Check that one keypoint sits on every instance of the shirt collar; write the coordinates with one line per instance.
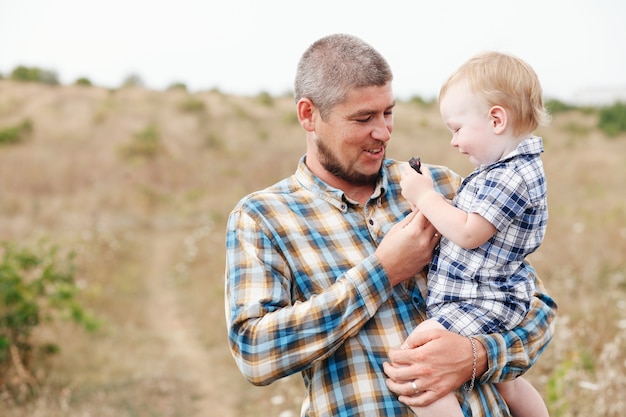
(532, 145)
(335, 196)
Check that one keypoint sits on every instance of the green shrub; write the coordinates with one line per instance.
(145, 143)
(36, 286)
(264, 98)
(83, 81)
(576, 130)
(422, 102)
(133, 80)
(191, 104)
(34, 74)
(612, 120)
(177, 86)
(556, 106)
(15, 134)
(214, 141)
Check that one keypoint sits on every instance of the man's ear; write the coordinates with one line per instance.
(306, 109)
(498, 119)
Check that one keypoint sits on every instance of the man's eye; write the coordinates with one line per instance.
(365, 120)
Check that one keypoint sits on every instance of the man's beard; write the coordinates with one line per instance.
(333, 165)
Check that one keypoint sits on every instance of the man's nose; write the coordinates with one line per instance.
(382, 129)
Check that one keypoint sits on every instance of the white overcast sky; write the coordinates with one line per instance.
(248, 46)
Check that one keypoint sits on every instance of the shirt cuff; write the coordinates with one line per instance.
(370, 281)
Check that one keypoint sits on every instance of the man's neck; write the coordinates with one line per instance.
(360, 194)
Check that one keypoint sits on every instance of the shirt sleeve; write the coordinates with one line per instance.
(271, 334)
(503, 197)
(511, 354)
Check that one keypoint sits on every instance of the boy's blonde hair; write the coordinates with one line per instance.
(506, 81)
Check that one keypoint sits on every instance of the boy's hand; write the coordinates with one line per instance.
(414, 185)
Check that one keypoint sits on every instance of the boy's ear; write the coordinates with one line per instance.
(305, 110)
(498, 119)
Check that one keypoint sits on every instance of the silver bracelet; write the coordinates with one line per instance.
(471, 384)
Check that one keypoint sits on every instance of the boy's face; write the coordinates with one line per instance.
(467, 116)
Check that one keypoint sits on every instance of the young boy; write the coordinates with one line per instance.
(478, 281)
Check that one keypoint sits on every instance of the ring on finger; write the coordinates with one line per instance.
(414, 386)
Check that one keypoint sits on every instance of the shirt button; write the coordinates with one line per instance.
(371, 222)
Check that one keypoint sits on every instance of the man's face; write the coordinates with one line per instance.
(350, 144)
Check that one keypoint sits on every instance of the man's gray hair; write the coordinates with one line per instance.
(336, 64)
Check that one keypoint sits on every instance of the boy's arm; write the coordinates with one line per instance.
(468, 230)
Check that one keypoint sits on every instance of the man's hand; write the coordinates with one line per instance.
(407, 248)
(436, 361)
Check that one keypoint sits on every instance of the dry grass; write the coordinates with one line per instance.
(148, 229)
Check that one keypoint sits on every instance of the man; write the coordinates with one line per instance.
(324, 269)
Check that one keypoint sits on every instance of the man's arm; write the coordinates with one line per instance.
(272, 336)
(441, 361)
(512, 353)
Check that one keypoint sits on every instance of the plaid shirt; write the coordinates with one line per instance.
(488, 289)
(304, 293)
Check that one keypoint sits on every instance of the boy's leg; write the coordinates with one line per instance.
(522, 398)
(446, 406)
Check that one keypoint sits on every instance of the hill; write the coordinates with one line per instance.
(139, 184)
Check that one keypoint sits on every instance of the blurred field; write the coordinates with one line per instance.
(140, 183)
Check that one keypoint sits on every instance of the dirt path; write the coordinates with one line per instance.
(194, 363)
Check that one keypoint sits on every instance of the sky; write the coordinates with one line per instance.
(251, 46)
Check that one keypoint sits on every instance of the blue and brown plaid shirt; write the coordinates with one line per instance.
(304, 293)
